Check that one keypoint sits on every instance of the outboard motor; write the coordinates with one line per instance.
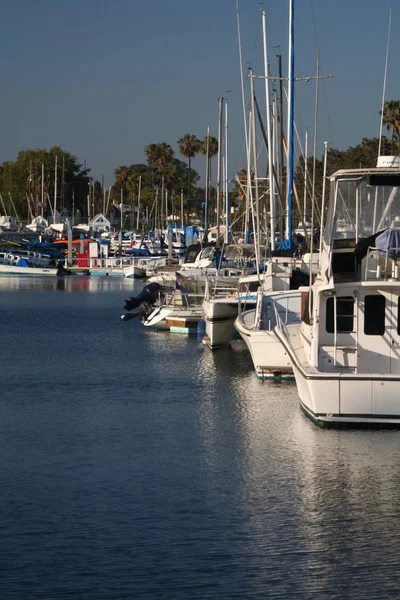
(148, 295)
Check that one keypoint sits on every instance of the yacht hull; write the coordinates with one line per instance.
(347, 398)
(176, 320)
(269, 357)
(219, 319)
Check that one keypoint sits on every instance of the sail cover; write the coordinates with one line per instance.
(389, 240)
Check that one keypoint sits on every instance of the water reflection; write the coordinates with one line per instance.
(72, 283)
(148, 464)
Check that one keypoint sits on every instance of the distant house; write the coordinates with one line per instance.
(99, 224)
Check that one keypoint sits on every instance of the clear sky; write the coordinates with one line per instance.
(104, 78)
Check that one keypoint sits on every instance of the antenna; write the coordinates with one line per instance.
(384, 82)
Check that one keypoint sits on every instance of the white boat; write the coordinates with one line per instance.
(8, 223)
(220, 305)
(220, 311)
(142, 267)
(15, 269)
(179, 312)
(345, 353)
(37, 225)
(256, 328)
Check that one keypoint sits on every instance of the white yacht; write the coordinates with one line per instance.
(345, 353)
(256, 328)
(220, 311)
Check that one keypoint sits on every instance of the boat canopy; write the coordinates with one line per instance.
(362, 203)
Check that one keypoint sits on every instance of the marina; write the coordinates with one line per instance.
(200, 314)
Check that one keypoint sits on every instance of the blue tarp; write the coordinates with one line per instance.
(22, 263)
(389, 240)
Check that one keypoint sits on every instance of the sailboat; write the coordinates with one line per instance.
(280, 293)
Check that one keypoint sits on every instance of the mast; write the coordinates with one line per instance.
(249, 194)
(305, 176)
(384, 82)
(274, 161)
(182, 207)
(254, 148)
(244, 110)
(63, 183)
(138, 206)
(315, 145)
(207, 190)
(323, 196)
(42, 191)
(55, 190)
(162, 202)
(122, 199)
(220, 106)
(290, 129)
(268, 113)
(226, 177)
(280, 113)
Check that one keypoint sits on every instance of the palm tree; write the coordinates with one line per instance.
(208, 146)
(152, 151)
(121, 176)
(189, 146)
(212, 146)
(391, 118)
(165, 154)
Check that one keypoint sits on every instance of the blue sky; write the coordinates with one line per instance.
(103, 79)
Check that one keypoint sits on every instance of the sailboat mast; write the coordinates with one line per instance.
(138, 205)
(249, 192)
(315, 142)
(42, 191)
(182, 209)
(244, 110)
(305, 176)
(226, 177)
(323, 197)
(290, 136)
(281, 179)
(254, 148)
(268, 113)
(384, 82)
(207, 190)
(55, 190)
(220, 107)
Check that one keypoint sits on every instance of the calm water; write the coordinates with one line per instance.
(140, 465)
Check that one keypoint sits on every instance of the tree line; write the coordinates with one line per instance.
(27, 184)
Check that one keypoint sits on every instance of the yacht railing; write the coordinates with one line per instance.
(283, 313)
(182, 300)
(379, 264)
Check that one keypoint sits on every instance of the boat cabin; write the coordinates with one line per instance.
(352, 313)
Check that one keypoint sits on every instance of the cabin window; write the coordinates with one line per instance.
(374, 315)
(253, 286)
(344, 314)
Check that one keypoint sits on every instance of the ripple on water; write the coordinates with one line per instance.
(137, 465)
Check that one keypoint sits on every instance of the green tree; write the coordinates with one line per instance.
(362, 156)
(189, 146)
(391, 120)
(22, 179)
(121, 177)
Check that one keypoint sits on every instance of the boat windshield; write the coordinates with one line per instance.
(362, 206)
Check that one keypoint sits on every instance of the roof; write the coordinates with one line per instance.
(363, 172)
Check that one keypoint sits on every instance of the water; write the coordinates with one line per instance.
(141, 465)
